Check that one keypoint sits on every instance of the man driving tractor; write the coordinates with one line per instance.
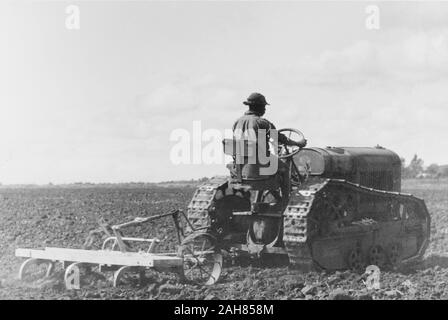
(252, 126)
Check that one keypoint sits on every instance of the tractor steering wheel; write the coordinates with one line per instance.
(286, 151)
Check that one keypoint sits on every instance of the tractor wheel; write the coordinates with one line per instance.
(202, 261)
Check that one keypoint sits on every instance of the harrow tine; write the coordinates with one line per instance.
(120, 274)
(29, 263)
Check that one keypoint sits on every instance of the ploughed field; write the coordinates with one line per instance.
(63, 217)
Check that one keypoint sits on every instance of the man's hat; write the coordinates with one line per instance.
(256, 99)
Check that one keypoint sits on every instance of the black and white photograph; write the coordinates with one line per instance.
(243, 152)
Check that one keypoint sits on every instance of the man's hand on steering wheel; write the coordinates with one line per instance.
(301, 143)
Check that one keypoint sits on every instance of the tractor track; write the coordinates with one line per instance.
(304, 209)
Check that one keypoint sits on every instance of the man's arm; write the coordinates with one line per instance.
(285, 140)
(300, 144)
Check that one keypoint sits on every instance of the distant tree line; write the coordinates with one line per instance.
(416, 169)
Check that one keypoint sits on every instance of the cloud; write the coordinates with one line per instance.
(414, 15)
(174, 104)
(401, 56)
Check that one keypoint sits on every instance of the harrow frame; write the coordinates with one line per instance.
(116, 255)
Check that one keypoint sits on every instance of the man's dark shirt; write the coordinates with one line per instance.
(250, 123)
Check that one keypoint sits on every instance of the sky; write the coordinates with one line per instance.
(100, 103)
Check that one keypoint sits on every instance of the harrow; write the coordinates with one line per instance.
(128, 258)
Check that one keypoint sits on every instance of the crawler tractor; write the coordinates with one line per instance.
(341, 208)
(344, 210)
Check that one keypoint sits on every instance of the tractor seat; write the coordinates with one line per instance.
(262, 183)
